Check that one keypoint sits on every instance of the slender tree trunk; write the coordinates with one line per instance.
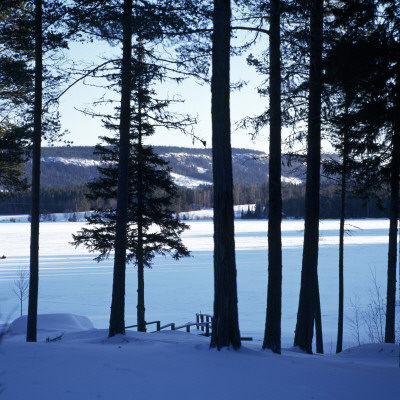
(272, 336)
(394, 215)
(117, 316)
(225, 325)
(31, 331)
(319, 344)
(309, 307)
(343, 189)
(141, 322)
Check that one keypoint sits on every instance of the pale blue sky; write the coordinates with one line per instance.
(85, 130)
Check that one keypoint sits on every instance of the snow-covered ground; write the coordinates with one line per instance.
(85, 364)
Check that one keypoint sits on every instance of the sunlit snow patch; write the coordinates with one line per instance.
(188, 182)
(292, 180)
(80, 162)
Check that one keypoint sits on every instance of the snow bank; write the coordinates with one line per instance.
(53, 323)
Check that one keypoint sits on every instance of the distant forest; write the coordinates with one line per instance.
(64, 185)
(68, 200)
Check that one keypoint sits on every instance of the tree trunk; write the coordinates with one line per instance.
(117, 316)
(141, 322)
(31, 332)
(394, 214)
(343, 189)
(272, 335)
(309, 308)
(318, 321)
(225, 325)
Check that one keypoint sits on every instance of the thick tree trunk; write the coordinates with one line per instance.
(394, 215)
(36, 154)
(117, 316)
(225, 325)
(272, 336)
(309, 308)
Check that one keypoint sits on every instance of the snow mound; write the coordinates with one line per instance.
(373, 353)
(53, 323)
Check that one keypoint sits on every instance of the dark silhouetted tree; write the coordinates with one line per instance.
(309, 303)
(225, 325)
(272, 336)
(151, 227)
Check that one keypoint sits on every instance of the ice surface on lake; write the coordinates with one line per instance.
(71, 282)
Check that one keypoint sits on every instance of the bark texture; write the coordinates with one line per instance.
(31, 332)
(225, 325)
(117, 316)
(272, 336)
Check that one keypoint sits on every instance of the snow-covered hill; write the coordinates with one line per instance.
(72, 166)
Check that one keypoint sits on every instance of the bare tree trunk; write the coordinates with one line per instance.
(141, 322)
(343, 189)
(31, 332)
(394, 215)
(319, 343)
(272, 335)
(309, 307)
(225, 325)
(117, 316)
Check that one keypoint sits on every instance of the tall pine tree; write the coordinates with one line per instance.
(151, 227)
(272, 336)
(225, 325)
(309, 303)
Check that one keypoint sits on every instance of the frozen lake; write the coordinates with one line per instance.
(71, 282)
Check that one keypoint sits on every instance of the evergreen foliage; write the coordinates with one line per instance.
(157, 206)
(13, 154)
(151, 227)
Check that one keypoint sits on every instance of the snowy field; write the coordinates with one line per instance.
(85, 364)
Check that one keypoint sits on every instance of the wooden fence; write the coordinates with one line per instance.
(203, 324)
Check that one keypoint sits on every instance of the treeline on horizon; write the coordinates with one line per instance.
(74, 199)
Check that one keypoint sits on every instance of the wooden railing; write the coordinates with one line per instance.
(158, 323)
(203, 323)
(207, 324)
